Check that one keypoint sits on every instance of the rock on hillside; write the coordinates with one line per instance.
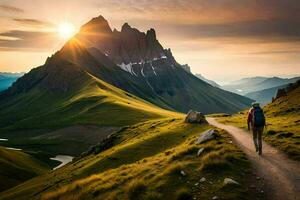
(195, 117)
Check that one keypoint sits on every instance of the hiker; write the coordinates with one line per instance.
(256, 119)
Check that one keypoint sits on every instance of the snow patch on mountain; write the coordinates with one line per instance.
(126, 67)
(142, 72)
(153, 69)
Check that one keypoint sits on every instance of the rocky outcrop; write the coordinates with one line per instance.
(187, 68)
(280, 93)
(126, 46)
(284, 91)
(207, 135)
(195, 117)
(103, 145)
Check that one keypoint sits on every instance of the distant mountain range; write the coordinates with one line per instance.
(254, 84)
(265, 96)
(7, 79)
(261, 89)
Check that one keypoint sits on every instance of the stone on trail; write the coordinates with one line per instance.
(207, 135)
(195, 117)
(203, 179)
(215, 197)
(183, 173)
(200, 151)
(229, 181)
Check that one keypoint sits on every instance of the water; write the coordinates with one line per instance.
(64, 159)
(15, 149)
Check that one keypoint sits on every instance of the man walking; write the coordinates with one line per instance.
(256, 120)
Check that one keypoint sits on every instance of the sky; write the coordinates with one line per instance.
(223, 40)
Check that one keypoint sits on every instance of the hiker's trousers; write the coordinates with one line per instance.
(257, 137)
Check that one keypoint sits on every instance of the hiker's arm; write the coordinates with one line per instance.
(265, 120)
(249, 117)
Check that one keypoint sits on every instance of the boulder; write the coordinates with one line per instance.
(195, 117)
(229, 181)
(207, 135)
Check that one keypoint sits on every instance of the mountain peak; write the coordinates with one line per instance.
(151, 34)
(97, 24)
(126, 26)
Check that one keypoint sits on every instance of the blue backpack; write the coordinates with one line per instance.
(258, 117)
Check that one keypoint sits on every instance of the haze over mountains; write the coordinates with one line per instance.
(254, 84)
(7, 79)
(261, 89)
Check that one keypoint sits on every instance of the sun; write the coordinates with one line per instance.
(66, 30)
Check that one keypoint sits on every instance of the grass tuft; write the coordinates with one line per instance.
(136, 190)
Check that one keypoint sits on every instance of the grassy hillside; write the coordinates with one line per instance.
(147, 163)
(6, 79)
(38, 119)
(17, 167)
(283, 119)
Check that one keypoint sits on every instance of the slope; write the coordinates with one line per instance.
(17, 167)
(161, 79)
(211, 82)
(156, 159)
(62, 94)
(283, 118)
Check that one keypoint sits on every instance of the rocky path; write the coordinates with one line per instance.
(282, 175)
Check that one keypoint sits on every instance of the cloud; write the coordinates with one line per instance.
(17, 40)
(276, 52)
(9, 8)
(206, 11)
(260, 28)
(33, 22)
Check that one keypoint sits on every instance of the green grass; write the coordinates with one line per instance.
(146, 161)
(283, 119)
(17, 167)
(93, 103)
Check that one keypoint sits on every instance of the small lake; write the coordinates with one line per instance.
(64, 159)
(15, 149)
(10, 148)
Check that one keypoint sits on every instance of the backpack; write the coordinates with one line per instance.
(258, 117)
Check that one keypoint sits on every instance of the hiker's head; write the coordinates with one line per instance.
(255, 104)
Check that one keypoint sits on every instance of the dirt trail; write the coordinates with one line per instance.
(281, 174)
